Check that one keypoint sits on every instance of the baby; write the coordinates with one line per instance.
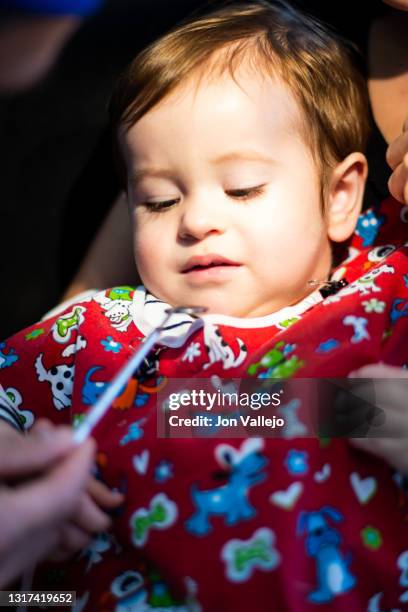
(240, 138)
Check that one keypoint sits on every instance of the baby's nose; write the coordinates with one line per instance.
(198, 220)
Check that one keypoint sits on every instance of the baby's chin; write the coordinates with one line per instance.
(221, 306)
(213, 304)
(230, 303)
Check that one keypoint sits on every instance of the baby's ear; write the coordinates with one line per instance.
(344, 196)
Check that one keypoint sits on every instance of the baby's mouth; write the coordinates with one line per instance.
(206, 262)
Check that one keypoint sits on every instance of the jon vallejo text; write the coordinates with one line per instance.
(219, 420)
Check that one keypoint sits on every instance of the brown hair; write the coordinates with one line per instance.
(278, 40)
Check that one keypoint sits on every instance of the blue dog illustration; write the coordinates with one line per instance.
(322, 543)
(93, 389)
(368, 226)
(7, 359)
(230, 500)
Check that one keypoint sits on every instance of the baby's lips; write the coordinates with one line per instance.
(205, 261)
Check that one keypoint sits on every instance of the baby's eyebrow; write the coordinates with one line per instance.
(138, 175)
(243, 156)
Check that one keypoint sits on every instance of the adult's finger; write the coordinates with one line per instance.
(397, 149)
(72, 539)
(89, 517)
(102, 495)
(398, 182)
(24, 455)
(379, 370)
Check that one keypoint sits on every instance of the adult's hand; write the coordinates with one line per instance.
(391, 438)
(30, 46)
(43, 477)
(397, 158)
(402, 5)
(89, 518)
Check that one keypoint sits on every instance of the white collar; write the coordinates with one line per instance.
(148, 313)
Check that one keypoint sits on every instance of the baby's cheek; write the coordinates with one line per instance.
(144, 241)
(142, 259)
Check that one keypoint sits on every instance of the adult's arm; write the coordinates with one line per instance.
(388, 91)
(32, 35)
(109, 260)
(388, 72)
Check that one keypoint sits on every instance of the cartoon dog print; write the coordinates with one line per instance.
(230, 500)
(219, 350)
(134, 392)
(364, 285)
(7, 358)
(60, 379)
(117, 310)
(368, 226)
(323, 544)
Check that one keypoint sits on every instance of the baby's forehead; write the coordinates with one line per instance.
(221, 105)
(247, 94)
(218, 123)
(248, 70)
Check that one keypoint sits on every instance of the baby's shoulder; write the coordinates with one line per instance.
(88, 332)
(95, 313)
(87, 318)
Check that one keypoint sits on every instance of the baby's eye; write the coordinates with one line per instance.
(161, 205)
(247, 193)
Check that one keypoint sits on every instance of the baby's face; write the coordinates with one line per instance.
(225, 198)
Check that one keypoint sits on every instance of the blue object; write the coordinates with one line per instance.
(297, 462)
(81, 8)
(328, 345)
(368, 226)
